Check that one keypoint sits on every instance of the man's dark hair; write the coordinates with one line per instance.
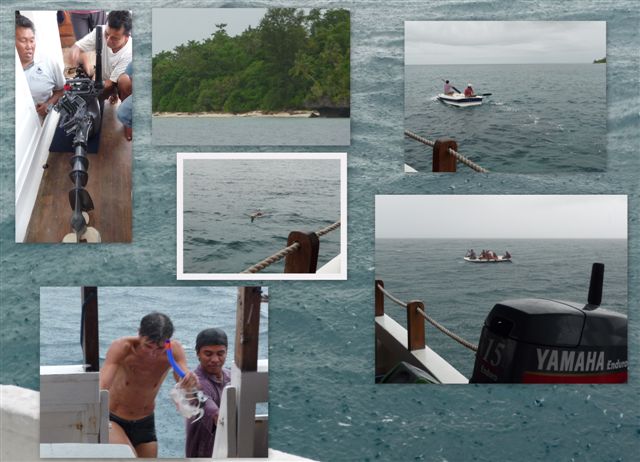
(23, 21)
(213, 336)
(157, 327)
(118, 19)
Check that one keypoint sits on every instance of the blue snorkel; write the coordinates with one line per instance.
(172, 361)
(189, 403)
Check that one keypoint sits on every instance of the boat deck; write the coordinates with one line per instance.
(109, 186)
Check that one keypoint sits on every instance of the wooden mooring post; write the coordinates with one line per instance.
(415, 325)
(89, 328)
(305, 259)
(443, 161)
(379, 297)
(247, 328)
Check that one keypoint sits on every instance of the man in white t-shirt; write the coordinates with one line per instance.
(116, 54)
(44, 76)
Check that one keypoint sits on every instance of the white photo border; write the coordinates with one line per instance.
(182, 156)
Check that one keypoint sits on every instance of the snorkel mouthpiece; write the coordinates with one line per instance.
(176, 367)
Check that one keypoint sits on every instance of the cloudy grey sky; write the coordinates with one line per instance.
(502, 216)
(504, 42)
(174, 26)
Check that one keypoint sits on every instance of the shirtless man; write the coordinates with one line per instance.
(133, 371)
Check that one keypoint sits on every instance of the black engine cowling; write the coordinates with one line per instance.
(549, 341)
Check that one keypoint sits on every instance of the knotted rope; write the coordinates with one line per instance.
(432, 321)
(276, 257)
(469, 163)
(459, 157)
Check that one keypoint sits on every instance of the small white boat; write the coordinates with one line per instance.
(459, 100)
(498, 259)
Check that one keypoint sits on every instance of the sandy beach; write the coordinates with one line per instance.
(301, 114)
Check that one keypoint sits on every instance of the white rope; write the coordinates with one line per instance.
(392, 298)
(419, 138)
(276, 257)
(459, 157)
(328, 229)
(432, 321)
(446, 331)
(469, 163)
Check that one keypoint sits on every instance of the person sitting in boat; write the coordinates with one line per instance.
(448, 88)
(468, 92)
(471, 254)
(507, 254)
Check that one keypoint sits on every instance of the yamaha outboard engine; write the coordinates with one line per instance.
(549, 341)
(80, 116)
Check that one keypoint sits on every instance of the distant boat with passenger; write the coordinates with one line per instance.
(487, 256)
(460, 100)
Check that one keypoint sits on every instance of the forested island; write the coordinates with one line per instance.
(292, 61)
(600, 61)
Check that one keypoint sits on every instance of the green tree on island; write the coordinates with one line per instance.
(291, 61)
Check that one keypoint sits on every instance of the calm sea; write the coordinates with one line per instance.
(540, 117)
(250, 131)
(120, 309)
(323, 402)
(459, 294)
(219, 196)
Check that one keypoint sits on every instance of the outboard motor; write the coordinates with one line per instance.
(549, 341)
(80, 116)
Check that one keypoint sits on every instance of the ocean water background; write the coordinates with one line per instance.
(250, 131)
(120, 309)
(540, 117)
(460, 295)
(220, 194)
(323, 402)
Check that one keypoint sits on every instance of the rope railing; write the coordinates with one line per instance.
(296, 246)
(419, 138)
(392, 298)
(328, 229)
(447, 332)
(469, 163)
(459, 157)
(429, 319)
(276, 257)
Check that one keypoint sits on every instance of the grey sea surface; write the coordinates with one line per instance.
(540, 118)
(459, 294)
(221, 194)
(120, 309)
(323, 403)
(251, 131)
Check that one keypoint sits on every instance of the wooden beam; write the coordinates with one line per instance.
(305, 259)
(89, 330)
(415, 325)
(442, 160)
(247, 328)
(379, 297)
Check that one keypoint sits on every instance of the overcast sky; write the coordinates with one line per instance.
(503, 42)
(502, 216)
(174, 26)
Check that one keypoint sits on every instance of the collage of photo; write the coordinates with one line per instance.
(218, 209)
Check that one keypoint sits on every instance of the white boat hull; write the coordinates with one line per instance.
(499, 259)
(459, 100)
